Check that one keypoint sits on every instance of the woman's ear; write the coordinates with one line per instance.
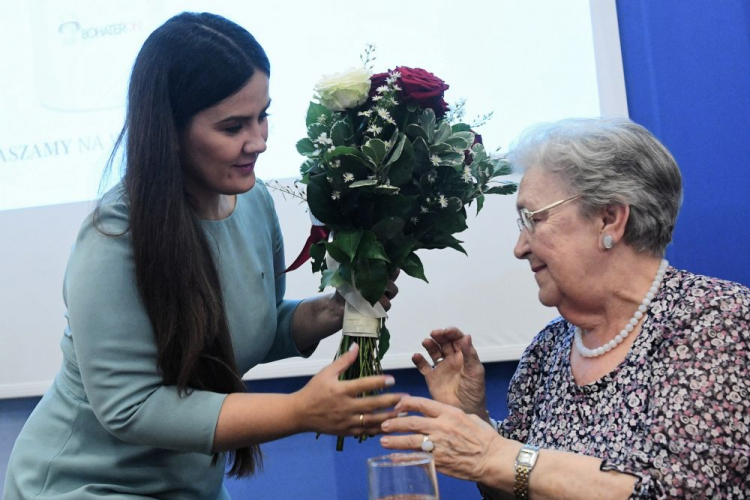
(614, 218)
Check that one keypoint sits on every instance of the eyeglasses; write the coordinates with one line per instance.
(526, 218)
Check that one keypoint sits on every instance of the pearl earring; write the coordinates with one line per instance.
(608, 241)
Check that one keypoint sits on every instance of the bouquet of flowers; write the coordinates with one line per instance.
(386, 174)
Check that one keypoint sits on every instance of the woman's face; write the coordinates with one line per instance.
(562, 245)
(221, 144)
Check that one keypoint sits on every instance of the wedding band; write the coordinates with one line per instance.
(439, 360)
(361, 419)
(427, 445)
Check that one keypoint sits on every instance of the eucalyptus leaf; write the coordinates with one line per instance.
(427, 121)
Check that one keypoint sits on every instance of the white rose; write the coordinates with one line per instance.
(344, 90)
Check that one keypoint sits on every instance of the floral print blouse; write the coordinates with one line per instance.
(674, 413)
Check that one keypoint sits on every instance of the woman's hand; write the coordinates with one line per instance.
(391, 290)
(464, 445)
(330, 406)
(457, 378)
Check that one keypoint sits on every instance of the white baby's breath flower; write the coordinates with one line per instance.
(393, 78)
(335, 195)
(443, 201)
(324, 139)
(316, 152)
(382, 89)
(435, 159)
(415, 220)
(344, 90)
(424, 210)
(348, 177)
(374, 129)
(376, 98)
(467, 174)
(396, 87)
(332, 148)
(383, 113)
(322, 119)
(366, 113)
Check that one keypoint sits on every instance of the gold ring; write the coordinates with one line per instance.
(361, 419)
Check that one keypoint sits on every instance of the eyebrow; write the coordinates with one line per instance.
(242, 117)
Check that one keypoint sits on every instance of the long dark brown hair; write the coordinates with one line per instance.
(190, 63)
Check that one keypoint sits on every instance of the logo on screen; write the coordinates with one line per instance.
(72, 32)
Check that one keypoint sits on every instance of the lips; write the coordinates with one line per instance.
(537, 268)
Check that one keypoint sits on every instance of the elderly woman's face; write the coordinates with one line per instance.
(562, 242)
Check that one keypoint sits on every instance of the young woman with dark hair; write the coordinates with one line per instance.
(175, 289)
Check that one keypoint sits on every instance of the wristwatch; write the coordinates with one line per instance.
(525, 461)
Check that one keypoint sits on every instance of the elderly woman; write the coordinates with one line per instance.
(640, 389)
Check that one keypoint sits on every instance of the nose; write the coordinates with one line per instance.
(522, 248)
(255, 140)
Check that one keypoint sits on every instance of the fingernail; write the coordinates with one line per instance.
(351, 347)
(384, 441)
(385, 425)
(390, 381)
(403, 414)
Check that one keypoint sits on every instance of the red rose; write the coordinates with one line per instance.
(417, 85)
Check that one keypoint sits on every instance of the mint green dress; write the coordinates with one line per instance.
(108, 428)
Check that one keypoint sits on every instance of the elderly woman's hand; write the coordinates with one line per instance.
(464, 445)
(457, 378)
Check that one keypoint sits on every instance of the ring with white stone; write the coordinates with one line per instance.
(427, 445)
(437, 361)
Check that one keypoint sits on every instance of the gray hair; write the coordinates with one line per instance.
(610, 161)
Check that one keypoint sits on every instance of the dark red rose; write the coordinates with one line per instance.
(467, 155)
(417, 85)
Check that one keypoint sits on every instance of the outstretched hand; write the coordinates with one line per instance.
(464, 445)
(330, 406)
(455, 376)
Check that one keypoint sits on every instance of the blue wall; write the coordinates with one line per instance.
(687, 74)
(687, 71)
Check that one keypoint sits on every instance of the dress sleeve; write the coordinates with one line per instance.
(696, 443)
(116, 353)
(283, 345)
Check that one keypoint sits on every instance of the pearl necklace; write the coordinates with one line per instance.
(642, 308)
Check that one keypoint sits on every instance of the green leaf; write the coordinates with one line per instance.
(413, 267)
(414, 131)
(442, 133)
(339, 131)
(366, 182)
(387, 189)
(387, 228)
(305, 147)
(461, 127)
(480, 203)
(336, 253)
(399, 249)
(384, 341)
(348, 241)
(506, 188)
(375, 149)
(400, 171)
(397, 149)
(371, 248)
(427, 121)
(421, 156)
(332, 278)
(318, 255)
(443, 240)
(314, 131)
(322, 206)
(314, 111)
(371, 278)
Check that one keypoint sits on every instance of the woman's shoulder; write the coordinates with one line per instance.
(692, 305)
(550, 341)
(112, 212)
